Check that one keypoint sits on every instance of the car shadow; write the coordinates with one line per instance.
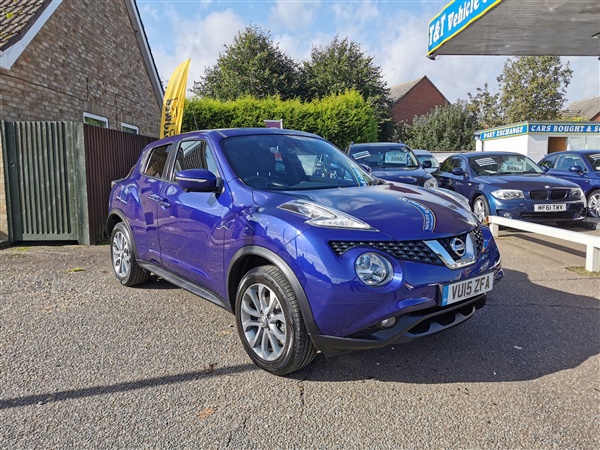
(526, 331)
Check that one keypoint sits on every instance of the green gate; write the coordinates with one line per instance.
(46, 187)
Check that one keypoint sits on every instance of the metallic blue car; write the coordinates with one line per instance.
(393, 161)
(510, 185)
(308, 250)
(581, 167)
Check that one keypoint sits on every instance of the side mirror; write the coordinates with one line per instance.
(545, 168)
(198, 180)
(458, 171)
(366, 168)
(577, 169)
(427, 165)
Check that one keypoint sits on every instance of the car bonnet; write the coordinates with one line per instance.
(400, 211)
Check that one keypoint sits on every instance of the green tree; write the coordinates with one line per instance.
(341, 66)
(530, 88)
(252, 66)
(485, 106)
(533, 88)
(446, 128)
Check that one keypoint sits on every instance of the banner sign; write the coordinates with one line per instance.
(454, 18)
(172, 113)
(540, 127)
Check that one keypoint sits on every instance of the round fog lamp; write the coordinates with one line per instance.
(373, 269)
(387, 323)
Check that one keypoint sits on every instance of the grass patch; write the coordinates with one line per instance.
(581, 271)
(76, 269)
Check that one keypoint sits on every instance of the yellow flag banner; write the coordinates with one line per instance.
(172, 113)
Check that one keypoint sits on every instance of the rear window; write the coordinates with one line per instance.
(155, 166)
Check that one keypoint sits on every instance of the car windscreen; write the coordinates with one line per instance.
(291, 162)
(424, 158)
(594, 160)
(502, 165)
(380, 157)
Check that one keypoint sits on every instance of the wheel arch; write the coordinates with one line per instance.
(114, 217)
(250, 257)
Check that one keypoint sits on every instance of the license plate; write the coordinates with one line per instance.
(455, 292)
(549, 207)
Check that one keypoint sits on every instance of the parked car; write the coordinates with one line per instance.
(510, 185)
(424, 156)
(393, 161)
(581, 167)
(308, 251)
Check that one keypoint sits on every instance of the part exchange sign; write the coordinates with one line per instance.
(454, 18)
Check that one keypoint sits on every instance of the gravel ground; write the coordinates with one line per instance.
(87, 363)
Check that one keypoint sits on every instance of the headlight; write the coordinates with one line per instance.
(576, 194)
(373, 269)
(431, 183)
(508, 194)
(321, 216)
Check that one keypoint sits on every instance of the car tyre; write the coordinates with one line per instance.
(593, 203)
(124, 263)
(270, 323)
(481, 208)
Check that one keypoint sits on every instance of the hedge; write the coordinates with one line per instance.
(340, 119)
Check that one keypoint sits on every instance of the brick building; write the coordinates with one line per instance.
(415, 98)
(76, 61)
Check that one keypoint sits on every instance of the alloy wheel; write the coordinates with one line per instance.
(121, 255)
(594, 204)
(263, 322)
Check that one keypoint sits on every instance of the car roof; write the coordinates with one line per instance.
(421, 152)
(232, 132)
(379, 144)
(580, 152)
(480, 154)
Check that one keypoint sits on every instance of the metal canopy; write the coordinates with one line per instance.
(516, 28)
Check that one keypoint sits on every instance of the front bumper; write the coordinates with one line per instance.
(408, 327)
(524, 210)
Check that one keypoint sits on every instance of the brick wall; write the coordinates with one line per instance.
(85, 58)
(420, 100)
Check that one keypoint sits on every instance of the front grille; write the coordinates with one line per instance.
(558, 194)
(416, 251)
(538, 195)
(477, 236)
(553, 194)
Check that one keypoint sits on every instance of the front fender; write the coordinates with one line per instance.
(251, 256)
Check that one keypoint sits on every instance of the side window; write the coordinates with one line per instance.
(447, 165)
(567, 161)
(155, 165)
(194, 155)
(549, 162)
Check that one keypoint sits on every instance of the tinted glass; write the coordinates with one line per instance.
(155, 166)
(382, 157)
(491, 165)
(291, 162)
(594, 160)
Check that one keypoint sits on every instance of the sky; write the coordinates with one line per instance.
(394, 33)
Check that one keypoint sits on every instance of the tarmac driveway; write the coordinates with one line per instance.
(87, 363)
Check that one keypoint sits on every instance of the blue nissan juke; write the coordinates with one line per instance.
(305, 248)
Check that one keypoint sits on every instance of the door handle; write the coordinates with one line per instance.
(161, 201)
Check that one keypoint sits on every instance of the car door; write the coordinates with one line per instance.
(143, 222)
(449, 180)
(190, 223)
